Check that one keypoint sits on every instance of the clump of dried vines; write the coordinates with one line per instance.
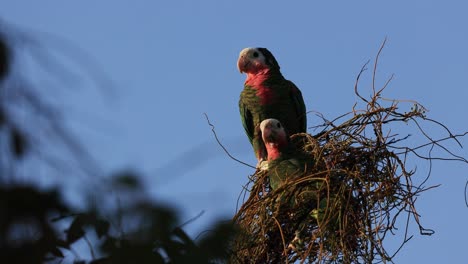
(344, 207)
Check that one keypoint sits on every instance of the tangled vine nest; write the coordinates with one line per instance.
(342, 208)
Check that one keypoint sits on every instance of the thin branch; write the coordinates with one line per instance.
(220, 144)
(363, 69)
(466, 193)
(191, 219)
(90, 246)
(285, 251)
(376, 63)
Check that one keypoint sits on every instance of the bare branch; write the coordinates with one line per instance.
(466, 193)
(220, 144)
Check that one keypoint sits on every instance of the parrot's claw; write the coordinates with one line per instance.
(262, 165)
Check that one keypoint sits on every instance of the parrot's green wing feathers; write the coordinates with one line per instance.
(247, 120)
(284, 169)
(299, 106)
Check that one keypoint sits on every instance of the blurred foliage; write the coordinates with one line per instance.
(39, 226)
(25, 225)
(5, 58)
(31, 220)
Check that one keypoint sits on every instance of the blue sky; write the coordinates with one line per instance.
(172, 61)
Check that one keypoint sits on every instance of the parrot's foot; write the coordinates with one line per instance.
(262, 165)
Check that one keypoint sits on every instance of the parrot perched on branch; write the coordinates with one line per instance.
(285, 161)
(267, 94)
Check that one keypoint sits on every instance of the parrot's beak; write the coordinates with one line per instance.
(269, 134)
(241, 64)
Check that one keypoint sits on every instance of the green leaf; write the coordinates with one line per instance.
(18, 143)
(5, 57)
(126, 180)
(75, 231)
(56, 252)
(2, 117)
(101, 227)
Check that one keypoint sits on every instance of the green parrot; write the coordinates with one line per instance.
(284, 160)
(267, 94)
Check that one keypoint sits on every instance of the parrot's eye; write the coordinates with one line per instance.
(278, 125)
(255, 54)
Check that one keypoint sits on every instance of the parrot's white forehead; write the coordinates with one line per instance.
(249, 51)
(271, 122)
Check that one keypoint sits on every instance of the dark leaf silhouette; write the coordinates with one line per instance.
(5, 57)
(126, 180)
(76, 230)
(101, 227)
(18, 143)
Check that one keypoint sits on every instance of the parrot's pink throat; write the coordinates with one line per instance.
(256, 82)
(274, 149)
